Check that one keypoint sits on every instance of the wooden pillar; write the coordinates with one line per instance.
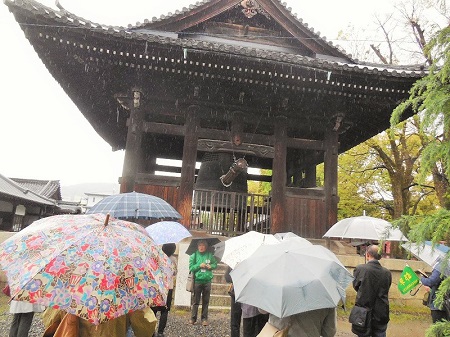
(278, 204)
(188, 166)
(133, 148)
(331, 179)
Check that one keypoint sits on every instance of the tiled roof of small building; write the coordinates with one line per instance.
(13, 190)
(46, 188)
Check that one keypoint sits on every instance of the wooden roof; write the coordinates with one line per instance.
(254, 21)
(223, 56)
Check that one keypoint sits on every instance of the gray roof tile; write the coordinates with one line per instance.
(10, 188)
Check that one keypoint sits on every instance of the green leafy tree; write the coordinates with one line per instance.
(388, 178)
(431, 97)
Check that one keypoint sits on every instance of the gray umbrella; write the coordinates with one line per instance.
(135, 205)
(288, 278)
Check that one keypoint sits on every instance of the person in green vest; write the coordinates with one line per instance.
(202, 263)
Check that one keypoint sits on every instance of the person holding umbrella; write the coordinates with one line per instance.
(432, 283)
(23, 313)
(169, 250)
(202, 263)
(59, 323)
(235, 310)
(313, 323)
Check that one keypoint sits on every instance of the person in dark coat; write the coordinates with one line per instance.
(433, 282)
(169, 250)
(372, 283)
(236, 311)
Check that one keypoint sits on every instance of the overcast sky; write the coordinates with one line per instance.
(44, 136)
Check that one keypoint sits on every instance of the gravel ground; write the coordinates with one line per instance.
(176, 326)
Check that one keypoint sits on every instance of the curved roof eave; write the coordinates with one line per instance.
(68, 19)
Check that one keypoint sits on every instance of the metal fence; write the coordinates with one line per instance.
(230, 213)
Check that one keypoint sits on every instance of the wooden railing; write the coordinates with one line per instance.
(230, 213)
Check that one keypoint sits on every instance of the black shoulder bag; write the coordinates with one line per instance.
(361, 319)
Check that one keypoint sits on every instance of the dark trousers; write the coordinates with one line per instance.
(379, 330)
(438, 315)
(252, 326)
(21, 324)
(202, 290)
(235, 317)
(164, 312)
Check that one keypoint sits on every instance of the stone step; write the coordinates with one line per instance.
(219, 278)
(221, 268)
(220, 288)
(219, 301)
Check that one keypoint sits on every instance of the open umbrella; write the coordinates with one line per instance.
(285, 236)
(286, 279)
(135, 205)
(88, 265)
(167, 232)
(210, 240)
(365, 228)
(238, 248)
(433, 255)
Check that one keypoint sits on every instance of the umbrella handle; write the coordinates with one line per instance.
(106, 220)
(415, 291)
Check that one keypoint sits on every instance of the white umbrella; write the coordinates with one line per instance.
(287, 278)
(365, 228)
(167, 232)
(425, 252)
(285, 236)
(434, 256)
(238, 248)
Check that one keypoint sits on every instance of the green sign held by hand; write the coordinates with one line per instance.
(408, 280)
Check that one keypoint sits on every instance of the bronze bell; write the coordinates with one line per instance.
(239, 166)
(220, 172)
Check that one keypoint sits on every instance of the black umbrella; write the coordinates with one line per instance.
(211, 240)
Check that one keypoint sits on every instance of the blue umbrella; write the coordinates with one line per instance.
(135, 205)
(167, 232)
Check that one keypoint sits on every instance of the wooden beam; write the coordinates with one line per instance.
(210, 145)
(215, 134)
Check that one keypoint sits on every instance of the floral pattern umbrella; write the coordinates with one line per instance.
(86, 265)
(167, 232)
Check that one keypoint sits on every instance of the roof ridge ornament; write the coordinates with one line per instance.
(251, 8)
(58, 4)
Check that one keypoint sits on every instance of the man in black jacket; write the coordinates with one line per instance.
(372, 283)
(236, 311)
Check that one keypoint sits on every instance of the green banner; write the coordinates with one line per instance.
(408, 280)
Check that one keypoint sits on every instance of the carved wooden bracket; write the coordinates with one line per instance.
(210, 145)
